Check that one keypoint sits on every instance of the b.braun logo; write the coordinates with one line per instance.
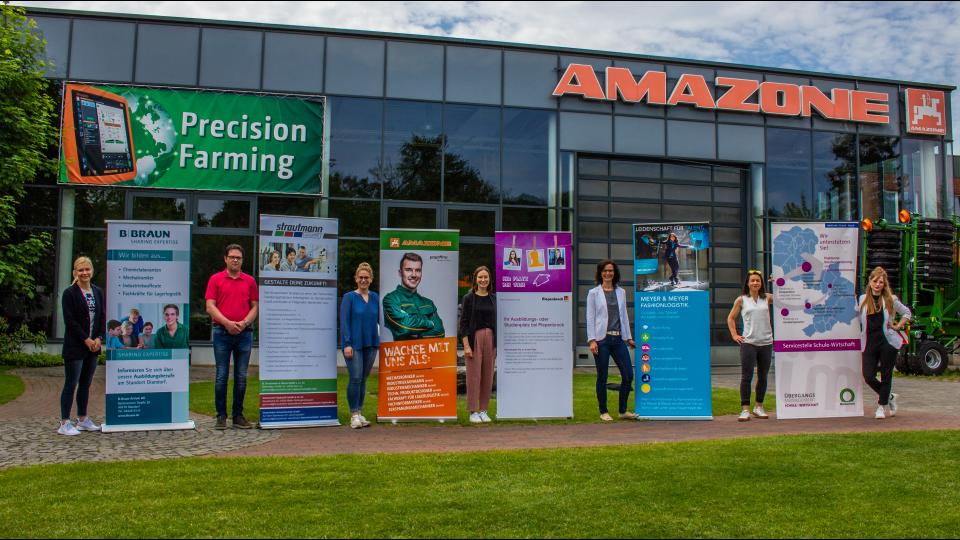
(926, 111)
(847, 396)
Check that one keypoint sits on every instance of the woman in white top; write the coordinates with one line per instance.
(608, 330)
(756, 342)
(880, 338)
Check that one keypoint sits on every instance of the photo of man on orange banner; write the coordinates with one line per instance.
(418, 359)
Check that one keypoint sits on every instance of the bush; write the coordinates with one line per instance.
(12, 342)
(21, 359)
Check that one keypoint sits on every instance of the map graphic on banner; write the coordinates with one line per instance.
(418, 334)
(147, 348)
(816, 324)
(534, 283)
(672, 321)
(297, 262)
(189, 139)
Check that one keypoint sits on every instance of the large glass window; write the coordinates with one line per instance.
(789, 191)
(357, 218)
(879, 172)
(922, 187)
(206, 260)
(411, 151)
(472, 155)
(160, 208)
(287, 206)
(355, 147)
(223, 213)
(94, 206)
(528, 151)
(834, 183)
(471, 222)
(39, 312)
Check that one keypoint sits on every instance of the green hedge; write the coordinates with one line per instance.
(22, 359)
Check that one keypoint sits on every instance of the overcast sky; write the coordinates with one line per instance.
(914, 41)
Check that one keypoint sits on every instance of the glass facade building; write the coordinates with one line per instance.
(464, 134)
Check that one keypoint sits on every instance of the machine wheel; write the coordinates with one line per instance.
(884, 244)
(877, 235)
(903, 363)
(933, 358)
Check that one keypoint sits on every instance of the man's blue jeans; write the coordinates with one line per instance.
(225, 344)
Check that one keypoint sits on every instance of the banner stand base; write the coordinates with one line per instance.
(119, 428)
(440, 419)
(293, 425)
(675, 418)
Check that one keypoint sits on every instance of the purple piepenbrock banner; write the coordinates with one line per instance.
(534, 262)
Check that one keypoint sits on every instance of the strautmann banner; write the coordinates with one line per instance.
(154, 137)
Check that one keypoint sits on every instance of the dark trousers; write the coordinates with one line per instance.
(879, 355)
(615, 347)
(754, 356)
(674, 268)
(78, 375)
(239, 346)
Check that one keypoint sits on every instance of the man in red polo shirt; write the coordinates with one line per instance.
(232, 300)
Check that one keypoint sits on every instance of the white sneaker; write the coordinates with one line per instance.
(355, 422)
(760, 413)
(485, 417)
(475, 418)
(364, 421)
(892, 403)
(744, 416)
(879, 414)
(87, 425)
(67, 429)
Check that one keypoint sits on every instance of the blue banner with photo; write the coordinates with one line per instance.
(672, 321)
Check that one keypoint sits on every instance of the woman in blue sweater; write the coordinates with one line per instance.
(359, 339)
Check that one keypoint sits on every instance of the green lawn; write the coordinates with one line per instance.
(873, 485)
(10, 386)
(725, 400)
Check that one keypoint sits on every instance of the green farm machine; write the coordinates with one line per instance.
(920, 257)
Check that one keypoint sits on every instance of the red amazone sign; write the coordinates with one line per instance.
(926, 112)
(777, 98)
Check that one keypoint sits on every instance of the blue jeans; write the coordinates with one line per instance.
(359, 367)
(613, 346)
(225, 344)
(78, 375)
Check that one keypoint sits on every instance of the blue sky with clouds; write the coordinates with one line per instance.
(913, 41)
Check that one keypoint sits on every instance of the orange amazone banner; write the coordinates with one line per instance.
(418, 380)
(732, 94)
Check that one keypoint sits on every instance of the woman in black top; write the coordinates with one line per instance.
(478, 323)
(84, 318)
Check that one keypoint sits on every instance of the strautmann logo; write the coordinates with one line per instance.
(847, 396)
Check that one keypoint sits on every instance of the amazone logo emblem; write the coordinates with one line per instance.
(733, 94)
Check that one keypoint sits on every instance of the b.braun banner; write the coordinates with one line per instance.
(155, 137)
(148, 303)
(815, 320)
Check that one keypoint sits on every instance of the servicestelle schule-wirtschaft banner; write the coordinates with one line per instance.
(418, 335)
(534, 280)
(815, 320)
(148, 365)
(297, 262)
(672, 321)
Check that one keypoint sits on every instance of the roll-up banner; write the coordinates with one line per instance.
(148, 303)
(189, 139)
(418, 334)
(534, 325)
(297, 262)
(672, 321)
(815, 325)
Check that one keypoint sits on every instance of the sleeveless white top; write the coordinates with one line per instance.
(756, 321)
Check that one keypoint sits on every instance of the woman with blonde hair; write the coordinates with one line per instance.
(880, 338)
(84, 319)
(359, 339)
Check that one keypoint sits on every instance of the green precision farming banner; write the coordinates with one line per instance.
(152, 137)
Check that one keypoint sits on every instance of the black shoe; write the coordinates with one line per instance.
(240, 422)
(221, 423)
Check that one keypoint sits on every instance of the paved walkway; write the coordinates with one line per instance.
(29, 434)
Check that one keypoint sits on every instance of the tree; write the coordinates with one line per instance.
(27, 134)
